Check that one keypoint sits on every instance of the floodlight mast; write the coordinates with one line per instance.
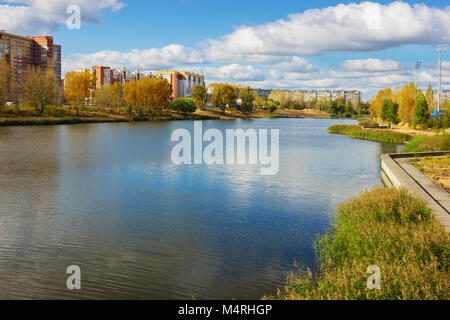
(442, 48)
(418, 65)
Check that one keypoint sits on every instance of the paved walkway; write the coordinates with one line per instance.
(399, 172)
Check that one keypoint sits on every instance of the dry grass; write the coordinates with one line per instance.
(437, 168)
(385, 227)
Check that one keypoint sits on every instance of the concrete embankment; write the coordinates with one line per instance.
(397, 171)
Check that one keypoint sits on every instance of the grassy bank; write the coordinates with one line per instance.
(357, 132)
(65, 115)
(429, 143)
(388, 228)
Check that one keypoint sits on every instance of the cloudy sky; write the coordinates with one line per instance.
(288, 44)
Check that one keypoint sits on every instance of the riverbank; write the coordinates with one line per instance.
(65, 115)
(378, 135)
(388, 228)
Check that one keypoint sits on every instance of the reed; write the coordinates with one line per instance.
(357, 132)
(389, 228)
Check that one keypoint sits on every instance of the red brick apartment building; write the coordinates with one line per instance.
(22, 52)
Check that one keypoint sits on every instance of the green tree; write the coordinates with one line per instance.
(200, 96)
(247, 97)
(40, 89)
(102, 96)
(421, 113)
(260, 102)
(272, 105)
(389, 111)
(183, 105)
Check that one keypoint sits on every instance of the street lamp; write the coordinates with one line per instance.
(418, 65)
(441, 49)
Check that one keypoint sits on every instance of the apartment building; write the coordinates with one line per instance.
(263, 93)
(22, 52)
(182, 82)
(107, 75)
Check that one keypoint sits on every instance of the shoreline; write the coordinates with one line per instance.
(90, 117)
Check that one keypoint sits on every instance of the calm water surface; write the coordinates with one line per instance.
(107, 198)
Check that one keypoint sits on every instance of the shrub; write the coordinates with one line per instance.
(53, 111)
(428, 144)
(183, 105)
(388, 228)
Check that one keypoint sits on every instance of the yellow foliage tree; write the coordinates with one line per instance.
(153, 93)
(377, 102)
(430, 100)
(41, 89)
(4, 72)
(78, 86)
(406, 99)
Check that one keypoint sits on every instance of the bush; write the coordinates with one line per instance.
(183, 105)
(429, 144)
(388, 228)
(272, 108)
(368, 123)
(53, 111)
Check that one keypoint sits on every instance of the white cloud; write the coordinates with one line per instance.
(367, 26)
(296, 65)
(36, 17)
(232, 73)
(147, 59)
(368, 65)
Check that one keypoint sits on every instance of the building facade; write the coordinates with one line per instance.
(182, 82)
(22, 52)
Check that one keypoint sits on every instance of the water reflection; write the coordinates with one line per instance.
(107, 198)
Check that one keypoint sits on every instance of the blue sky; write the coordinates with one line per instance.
(270, 44)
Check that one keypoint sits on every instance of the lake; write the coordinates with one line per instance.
(108, 198)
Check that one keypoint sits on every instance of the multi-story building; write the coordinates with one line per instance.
(353, 97)
(103, 76)
(182, 82)
(22, 52)
(324, 94)
(107, 75)
(263, 93)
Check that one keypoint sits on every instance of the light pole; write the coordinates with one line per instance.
(441, 49)
(418, 65)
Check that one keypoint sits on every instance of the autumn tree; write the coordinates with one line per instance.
(421, 113)
(102, 96)
(115, 94)
(377, 102)
(160, 95)
(430, 99)
(247, 97)
(406, 99)
(4, 75)
(260, 102)
(200, 96)
(130, 94)
(41, 88)
(151, 95)
(78, 86)
(224, 95)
